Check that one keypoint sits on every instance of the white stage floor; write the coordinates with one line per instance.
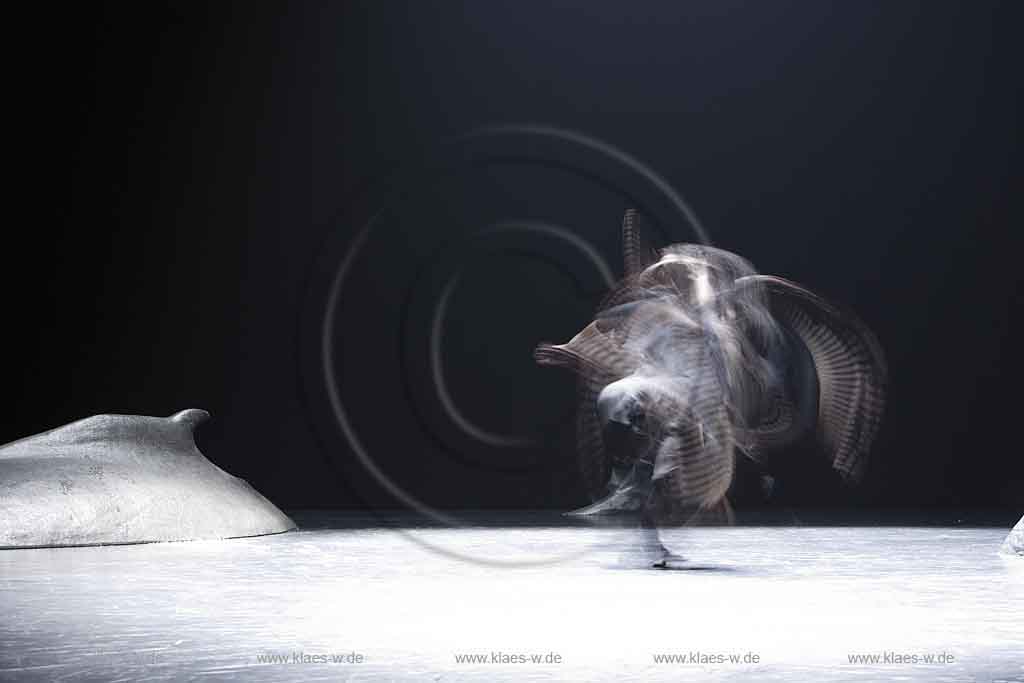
(803, 600)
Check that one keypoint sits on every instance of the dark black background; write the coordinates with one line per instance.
(174, 171)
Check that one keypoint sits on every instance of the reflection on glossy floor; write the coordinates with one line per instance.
(802, 600)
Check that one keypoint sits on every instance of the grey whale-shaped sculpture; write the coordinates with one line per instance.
(1014, 543)
(113, 479)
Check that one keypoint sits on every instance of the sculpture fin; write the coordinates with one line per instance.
(191, 417)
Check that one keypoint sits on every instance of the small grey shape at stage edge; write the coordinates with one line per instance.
(1014, 543)
(114, 479)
